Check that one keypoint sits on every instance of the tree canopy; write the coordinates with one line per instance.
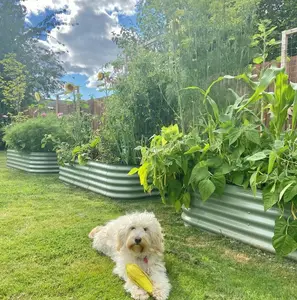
(24, 41)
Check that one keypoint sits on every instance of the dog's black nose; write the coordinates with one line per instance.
(137, 241)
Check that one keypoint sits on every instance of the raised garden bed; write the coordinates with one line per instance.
(34, 162)
(109, 180)
(237, 214)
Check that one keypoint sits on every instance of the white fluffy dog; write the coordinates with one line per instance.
(135, 238)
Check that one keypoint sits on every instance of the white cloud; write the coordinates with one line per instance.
(89, 44)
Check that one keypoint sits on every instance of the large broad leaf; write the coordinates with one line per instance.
(291, 192)
(237, 178)
(219, 181)
(198, 173)
(283, 242)
(214, 162)
(234, 135)
(186, 199)
(256, 156)
(253, 136)
(270, 197)
(225, 168)
(292, 230)
(206, 189)
(280, 226)
(272, 158)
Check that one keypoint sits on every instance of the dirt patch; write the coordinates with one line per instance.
(238, 257)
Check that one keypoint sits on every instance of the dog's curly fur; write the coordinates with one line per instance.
(135, 238)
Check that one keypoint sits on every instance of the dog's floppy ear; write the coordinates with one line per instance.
(157, 240)
(120, 239)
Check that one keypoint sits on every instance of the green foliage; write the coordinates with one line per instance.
(28, 135)
(17, 36)
(232, 146)
(264, 42)
(85, 152)
(75, 142)
(282, 15)
(180, 45)
(4, 121)
(12, 82)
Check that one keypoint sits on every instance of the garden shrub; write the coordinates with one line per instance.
(28, 135)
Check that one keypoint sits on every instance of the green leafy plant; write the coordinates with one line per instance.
(233, 146)
(12, 82)
(86, 152)
(27, 135)
(78, 131)
(264, 42)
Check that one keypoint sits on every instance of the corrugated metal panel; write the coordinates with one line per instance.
(237, 214)
(34, 162)
(108, 180)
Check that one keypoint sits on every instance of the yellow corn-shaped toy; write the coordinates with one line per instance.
(139, 277)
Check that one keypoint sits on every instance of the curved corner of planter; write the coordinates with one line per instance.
(236, 214)
(33, 162)
(108, 180)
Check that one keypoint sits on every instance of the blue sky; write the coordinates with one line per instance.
(89, 43)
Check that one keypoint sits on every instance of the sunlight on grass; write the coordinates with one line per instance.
(46, 254)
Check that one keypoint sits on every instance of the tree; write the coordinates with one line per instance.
(180, 44)
(43, 65)
(282, 14)
(12, 82)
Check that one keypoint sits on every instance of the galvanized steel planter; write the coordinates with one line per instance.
(237, 214)
(109, 180)
(34, 162)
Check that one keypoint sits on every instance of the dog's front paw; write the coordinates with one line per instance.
(159, 293)
(139, 294)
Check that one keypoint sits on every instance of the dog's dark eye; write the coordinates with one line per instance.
(145, 229)
(132, 228)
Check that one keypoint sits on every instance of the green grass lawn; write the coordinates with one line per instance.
(45, 252)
